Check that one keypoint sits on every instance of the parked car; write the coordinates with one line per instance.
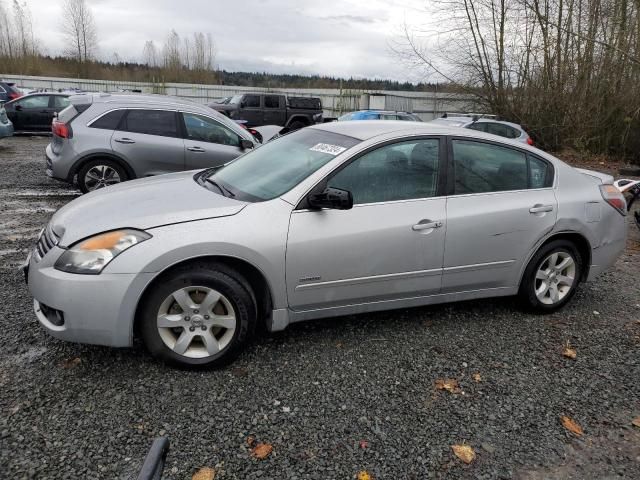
(272, 109)
(489, 124)
(9, 91)
(334, 219)
(104, 139)
(6, 127)
(379, 115)
(34, 112)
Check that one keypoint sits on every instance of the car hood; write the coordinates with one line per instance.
(223, 107)
(142, 204)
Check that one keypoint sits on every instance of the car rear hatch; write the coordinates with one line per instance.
(61, 124)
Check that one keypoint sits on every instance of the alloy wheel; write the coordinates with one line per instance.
(196, 322)
(101, 176)
(555, 278)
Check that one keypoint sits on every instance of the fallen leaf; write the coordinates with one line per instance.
(251, 440)
(205, 473)
(448, 384)
(71, 362)
(464, 453)
(569, 352)
(477, 377)
(262, 451)
(571, 425)
(364, 444)
(339, 344)
(364, 475)
(239, 372)
(636, 422)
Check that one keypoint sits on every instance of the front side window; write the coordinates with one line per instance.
(151, 122)
(205, 129)
(37, 101)
(483, 167)
(278, 166)
(399, 171)
(251, 101)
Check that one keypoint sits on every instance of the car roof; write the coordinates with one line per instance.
(367, 129)
(135, 98)
(389, 112)
(479, 120)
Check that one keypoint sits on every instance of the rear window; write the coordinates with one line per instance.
(151, 122)
(108, 121)
(67, 114)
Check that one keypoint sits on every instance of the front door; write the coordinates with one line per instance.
(31, 112)
(502, 204)
(389, 246)
(208, 143)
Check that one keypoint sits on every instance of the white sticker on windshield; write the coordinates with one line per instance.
(326, 148)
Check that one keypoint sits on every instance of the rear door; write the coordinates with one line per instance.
(501, 203)
(150, 141)
(208, 143)
(275, 111)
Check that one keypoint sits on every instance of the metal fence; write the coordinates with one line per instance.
(335, 102)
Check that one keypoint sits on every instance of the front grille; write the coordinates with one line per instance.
(48, 239)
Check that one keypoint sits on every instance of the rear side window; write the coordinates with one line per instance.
(60, 102)
(109, 121)
(478, 126)
(151, 122)
(251, 101)
(540, 173)
(483, 167)
(271, 101)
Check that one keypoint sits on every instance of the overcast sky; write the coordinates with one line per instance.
(332, 37)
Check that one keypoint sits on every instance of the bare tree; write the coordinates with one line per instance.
(79, 29)
(150, 54)
(172, 54)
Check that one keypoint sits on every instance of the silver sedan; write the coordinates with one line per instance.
(331, 220)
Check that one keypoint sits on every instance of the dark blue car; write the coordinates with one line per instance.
(379, 115)
(9, 91)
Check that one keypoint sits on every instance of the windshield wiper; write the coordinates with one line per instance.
(222, 189)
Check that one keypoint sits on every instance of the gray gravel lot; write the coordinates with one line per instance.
(317, 390)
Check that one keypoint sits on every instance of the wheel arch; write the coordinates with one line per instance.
(298, 118)
(580, 241)
(252, 274)
(75, 168)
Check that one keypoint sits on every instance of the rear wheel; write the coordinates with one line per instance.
(552, 276)
(201, 315)
(297, 125)
(100, 173)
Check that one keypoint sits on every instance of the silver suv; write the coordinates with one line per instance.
(104, 139)
(334, 219)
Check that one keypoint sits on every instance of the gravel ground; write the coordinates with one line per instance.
(333, 397)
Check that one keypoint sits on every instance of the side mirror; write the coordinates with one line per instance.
(245, 144)
(330, 197)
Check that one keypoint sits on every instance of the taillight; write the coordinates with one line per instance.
(60, 129)
(14, 95)
(530, 141)
(614, 198)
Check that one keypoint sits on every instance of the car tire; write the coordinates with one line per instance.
(100, 173)
(297, 125)
(545, 285)
(198, 281)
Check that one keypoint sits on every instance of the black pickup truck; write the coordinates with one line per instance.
(258, 109)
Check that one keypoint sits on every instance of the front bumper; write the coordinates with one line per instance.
(96, 309)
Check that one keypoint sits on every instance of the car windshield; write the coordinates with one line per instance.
(235, 99)
(276, 167)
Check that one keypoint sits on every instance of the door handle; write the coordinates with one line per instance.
(539, 208)
(426, 225)
(196, 149)
(124, 140)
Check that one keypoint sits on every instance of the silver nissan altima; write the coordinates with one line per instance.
(334, 219)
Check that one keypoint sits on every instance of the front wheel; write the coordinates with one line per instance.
(552, 276)
(202, 315)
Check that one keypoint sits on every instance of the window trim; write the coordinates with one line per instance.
(443, 167)
(450, 189)
(182, 127)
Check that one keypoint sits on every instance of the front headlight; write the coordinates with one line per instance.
(91, 255)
